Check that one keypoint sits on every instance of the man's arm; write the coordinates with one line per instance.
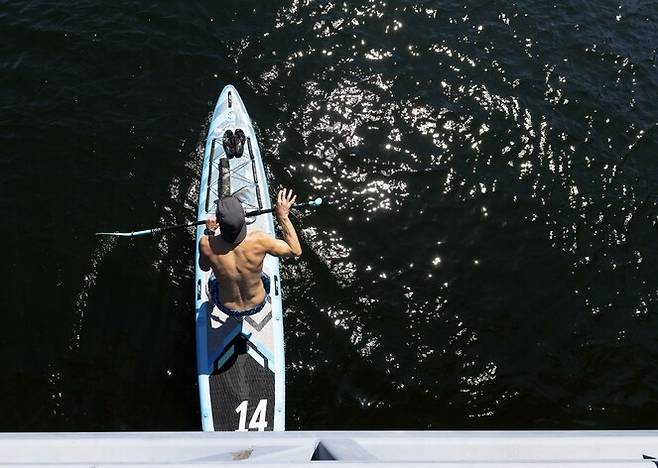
(204, 262)
(204, 243)
(289, 246)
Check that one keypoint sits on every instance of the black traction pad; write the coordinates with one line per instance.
(241, 378)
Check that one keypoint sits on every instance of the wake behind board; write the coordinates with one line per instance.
(240, 360)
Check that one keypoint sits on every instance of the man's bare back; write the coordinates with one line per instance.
(238, 267)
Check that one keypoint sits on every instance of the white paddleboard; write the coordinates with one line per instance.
(240, 360)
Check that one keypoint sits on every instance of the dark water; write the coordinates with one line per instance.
(490, 258)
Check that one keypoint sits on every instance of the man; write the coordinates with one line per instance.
(236, 257)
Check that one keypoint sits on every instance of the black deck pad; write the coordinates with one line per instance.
(242, 379)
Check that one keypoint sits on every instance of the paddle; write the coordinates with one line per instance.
(248, 214)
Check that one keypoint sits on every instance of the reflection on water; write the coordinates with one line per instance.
(454, 150)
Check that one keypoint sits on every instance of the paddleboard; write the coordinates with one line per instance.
(240, 360)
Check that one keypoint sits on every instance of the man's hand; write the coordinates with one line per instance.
(211, 223)
(284, 201)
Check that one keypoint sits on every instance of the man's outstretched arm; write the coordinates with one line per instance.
(289, 246)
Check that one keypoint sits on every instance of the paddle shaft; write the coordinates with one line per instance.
(150, 231)
(195, 223)
(248, 214)
(177, 226)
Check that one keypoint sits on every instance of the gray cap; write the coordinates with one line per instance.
(230, 216)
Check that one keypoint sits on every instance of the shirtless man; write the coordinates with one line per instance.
(236, 257)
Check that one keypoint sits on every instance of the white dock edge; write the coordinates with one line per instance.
(346, 449)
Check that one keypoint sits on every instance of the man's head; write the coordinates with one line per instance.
(230, 216)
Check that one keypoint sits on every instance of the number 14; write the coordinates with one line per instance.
(257, 420)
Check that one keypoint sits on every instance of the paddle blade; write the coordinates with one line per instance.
(118, 234)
